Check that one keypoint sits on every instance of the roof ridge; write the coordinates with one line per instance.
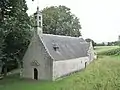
(61, 36)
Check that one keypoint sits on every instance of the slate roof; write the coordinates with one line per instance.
(65, 47)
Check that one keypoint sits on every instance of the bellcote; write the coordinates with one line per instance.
(38, 22)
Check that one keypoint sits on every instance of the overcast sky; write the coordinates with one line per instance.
(100, 19)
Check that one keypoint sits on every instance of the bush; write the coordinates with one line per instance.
(111, 52)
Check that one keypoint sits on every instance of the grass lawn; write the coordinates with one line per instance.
(101, 74)
(104, 48)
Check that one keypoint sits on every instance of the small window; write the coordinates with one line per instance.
(55, 47)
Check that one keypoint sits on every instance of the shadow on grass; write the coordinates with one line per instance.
(10, 79)
(13, 79)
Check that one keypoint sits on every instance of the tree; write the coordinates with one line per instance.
(1, 43)
(90, 40)
(60, 21)
(16, 25)
(4, 9)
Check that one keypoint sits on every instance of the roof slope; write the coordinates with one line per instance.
(66, 47)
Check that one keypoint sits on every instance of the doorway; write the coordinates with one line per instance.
(85, 64)
(35, 74)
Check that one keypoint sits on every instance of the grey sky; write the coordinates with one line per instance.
(100, 19)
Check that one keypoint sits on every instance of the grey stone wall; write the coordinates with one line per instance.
(61, 68)
(36, 52)
(91, 53)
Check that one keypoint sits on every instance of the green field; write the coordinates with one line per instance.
(104, 48)
(101, 74)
